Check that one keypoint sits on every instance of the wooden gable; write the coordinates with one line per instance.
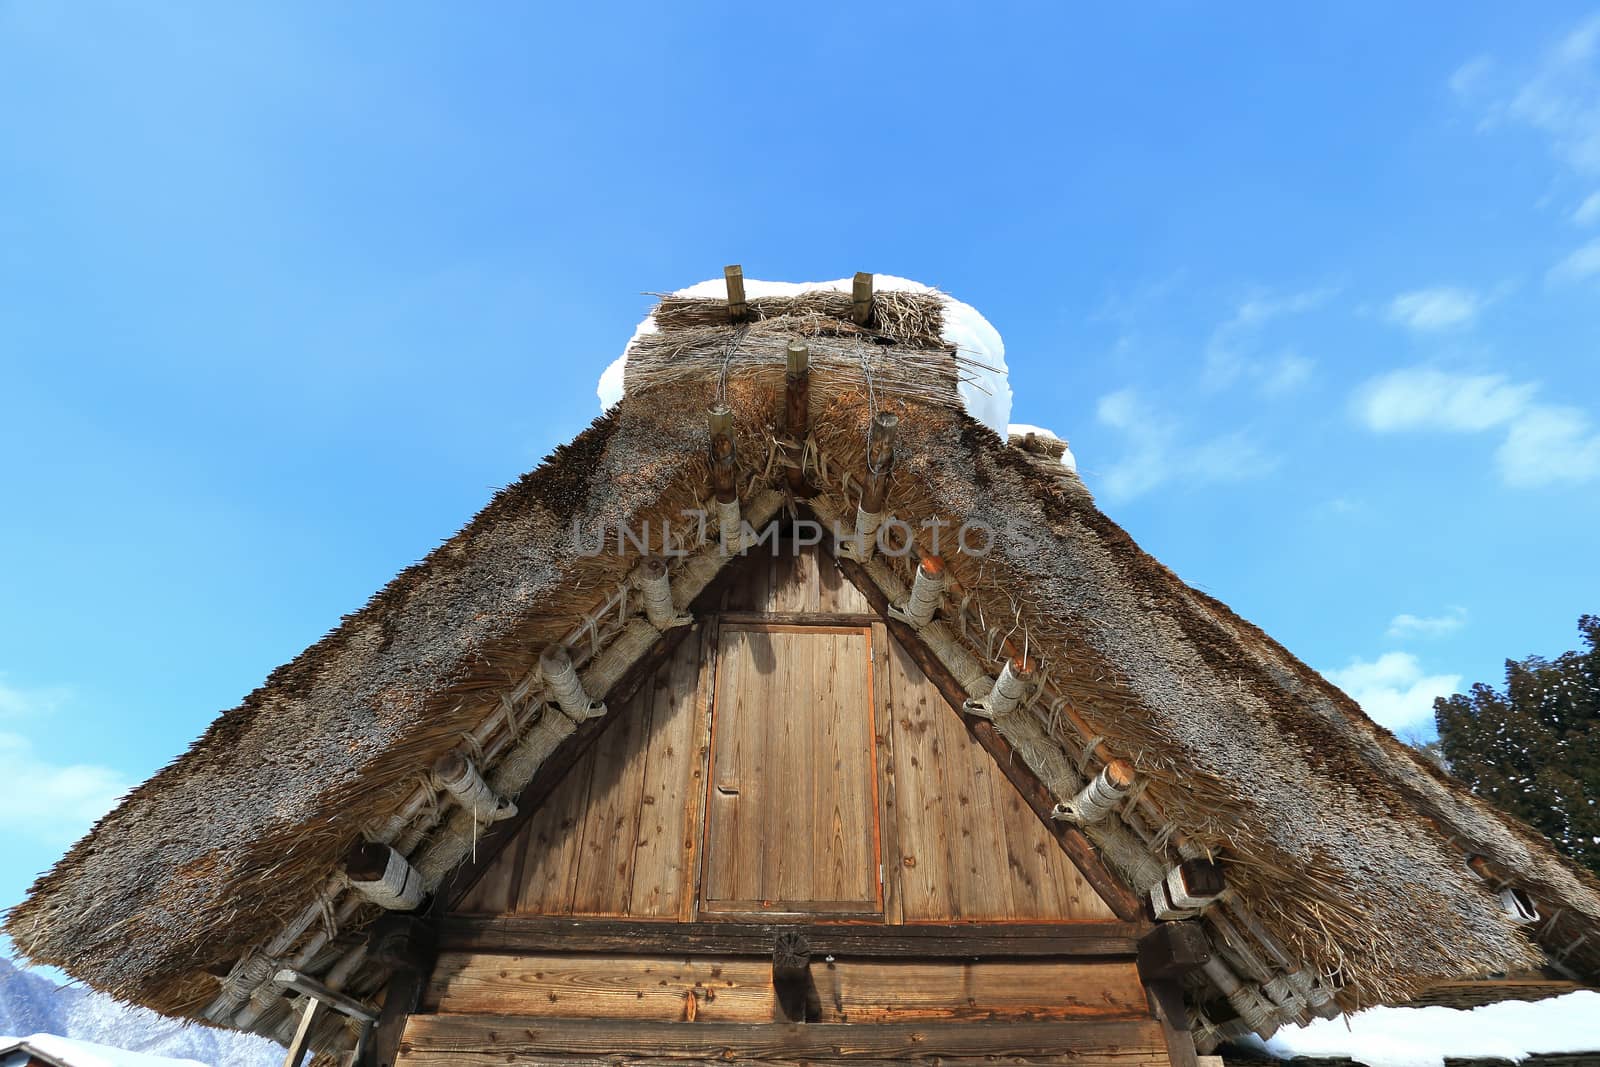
(784, 846)
(789, 760)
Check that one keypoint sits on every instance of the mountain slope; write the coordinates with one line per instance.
(31, 1004)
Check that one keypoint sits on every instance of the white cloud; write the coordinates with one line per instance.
(1393, 690)
(1467, 77)
(1550, 446)
(1562, 98)
(1544, 444)
(1588, 212)
(1582, 263)
(1156, 452)
(17, 701)
(1438, 308)
(1406, 625)
(1230, 352)
(1420, 398)
(51, 802)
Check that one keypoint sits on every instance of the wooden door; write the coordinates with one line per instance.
(791, 803)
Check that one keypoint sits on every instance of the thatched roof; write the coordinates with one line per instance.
(1345, 855)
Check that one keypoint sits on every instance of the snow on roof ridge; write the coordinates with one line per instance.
(985, 392)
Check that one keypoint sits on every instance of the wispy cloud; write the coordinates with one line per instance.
(1232, 353)
(1559, 96)
(1588, 212)
(52, 802)
(1441, 307)
(1544, 444)
(41, 799)
(1394, 689)
(1583, 263)
(1420, 398)
(1158, 453)
(1406, 625)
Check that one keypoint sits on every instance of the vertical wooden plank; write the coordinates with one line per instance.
(888, 813)
(791, 702)
(846, 847)
(925, 851)
(841, 593)
(611, 818)
(668, 809)
(697, 816)
(554, 839)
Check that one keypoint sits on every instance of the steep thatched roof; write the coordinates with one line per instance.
(1345, 855)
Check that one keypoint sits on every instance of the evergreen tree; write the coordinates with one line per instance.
(1534, 749)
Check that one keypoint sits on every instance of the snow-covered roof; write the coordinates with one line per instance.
(70, 1052)
(985, 387)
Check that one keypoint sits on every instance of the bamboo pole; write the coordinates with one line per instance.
(797, 410)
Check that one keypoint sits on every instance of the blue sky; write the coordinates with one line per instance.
(287, 289)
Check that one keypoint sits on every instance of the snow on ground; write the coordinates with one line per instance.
(1423, 1037)
(1068, 460)
(89, 1054)
(985, 389)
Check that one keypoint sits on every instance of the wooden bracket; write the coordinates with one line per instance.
(738, 311)
(791, 978)
(1172, 950)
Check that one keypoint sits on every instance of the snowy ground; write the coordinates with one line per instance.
(1423, 1037)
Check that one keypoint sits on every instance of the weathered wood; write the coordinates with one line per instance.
(550, 775)
(302, 1033)
(733, 275)
(792, 983)
(468, 1039)
(339, 1002)
(797, 411)
(407, 946)
(1166, 1000)
(852, 619)
(528, 934)
(1172, 950)
(793, 986)
(889, 865)
(403, 994)
(880, 462)
(1127, 905)
(789, 806)
(724, 464)
(861, 298)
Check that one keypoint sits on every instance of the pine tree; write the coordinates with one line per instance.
(1533, 750)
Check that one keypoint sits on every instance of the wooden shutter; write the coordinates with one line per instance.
(791, 803)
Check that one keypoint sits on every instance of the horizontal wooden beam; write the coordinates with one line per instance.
(499, 1039)
(801, 618)
(525, 934)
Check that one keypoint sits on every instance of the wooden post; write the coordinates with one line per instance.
(796, 989)
(1100, 797)
(797, 410)
(302, 1033)
(724, 466)
(861, 298)
(1009, 691)
(737, 309)
(406, 945)
(880, 462)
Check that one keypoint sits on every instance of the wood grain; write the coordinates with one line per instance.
(740, 989)
(470, 1039)
(531, 935)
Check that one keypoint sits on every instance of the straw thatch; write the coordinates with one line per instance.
(1345, 854)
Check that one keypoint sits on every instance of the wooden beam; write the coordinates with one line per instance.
(1171, 951)
(880, 462)
(334, 999)
(1127, 905)
(737, 309)
(797, 411)
(302, 1034)
(861, 298)
(851, 619)
(405, 944)
(499, 1039)
(529, 934)
(792, 983)
(724, 465)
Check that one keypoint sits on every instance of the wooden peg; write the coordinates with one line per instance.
(724, 465)
(861, 298)
(737, 309)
